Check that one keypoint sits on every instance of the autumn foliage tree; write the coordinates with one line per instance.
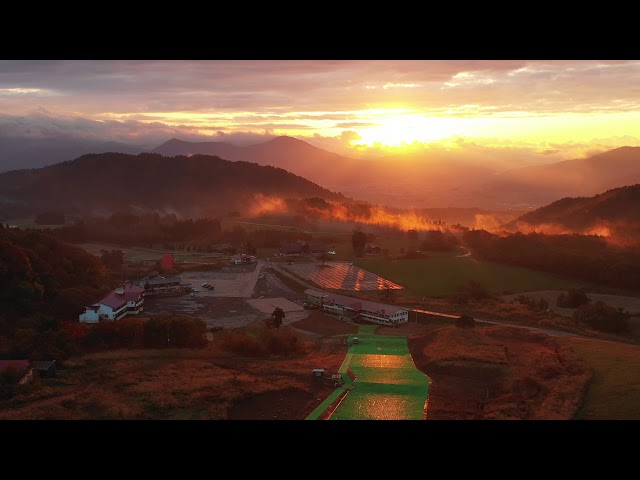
(278, 315)
(573, 298)
(586, 257)
(358, 241)
(36, 271)
(603, 317)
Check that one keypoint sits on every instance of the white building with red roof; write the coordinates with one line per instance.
(127, 300)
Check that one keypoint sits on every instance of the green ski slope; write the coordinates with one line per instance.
(387, 385)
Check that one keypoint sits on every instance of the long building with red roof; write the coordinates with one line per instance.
(127, 300)
(356, 309)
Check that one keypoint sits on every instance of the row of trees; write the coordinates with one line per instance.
(597, 315)
(585, 257)
(537, 304)
(203, 234)
(43, 336)
(434, 240)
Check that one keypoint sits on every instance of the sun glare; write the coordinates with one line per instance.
(398, 130)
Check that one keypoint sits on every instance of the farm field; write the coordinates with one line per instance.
(341, 276)
(439, 276)
(614, 392)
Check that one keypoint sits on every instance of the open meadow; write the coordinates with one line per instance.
(614, 392)
(444, 275)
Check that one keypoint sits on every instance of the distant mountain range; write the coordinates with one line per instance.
(23, 153)
(411, 180)
(289, 153)
(614, 213)
(402, 180)
(542, 184)
(399, 180)
(189, 186)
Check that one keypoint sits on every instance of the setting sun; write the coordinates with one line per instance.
(405, 129)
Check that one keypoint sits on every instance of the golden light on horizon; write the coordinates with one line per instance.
(406, 129)
(399, 129)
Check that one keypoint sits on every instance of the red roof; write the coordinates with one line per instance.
(133, 288)
(20, 365)
(113, 300)
(132, 293)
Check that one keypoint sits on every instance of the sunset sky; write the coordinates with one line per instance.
(550, 109)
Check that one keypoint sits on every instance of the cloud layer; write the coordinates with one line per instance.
(539, 106)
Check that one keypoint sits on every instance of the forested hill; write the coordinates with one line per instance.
(192, 186)
(615, 212)
(39, 274)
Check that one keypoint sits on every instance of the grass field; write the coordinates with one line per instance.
(614, 393)
(140, 254)
(443, 275)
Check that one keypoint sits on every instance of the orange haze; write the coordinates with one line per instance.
(366, 214)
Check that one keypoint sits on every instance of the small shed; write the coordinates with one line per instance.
(355, 340)
(318, 373)
(45, 368)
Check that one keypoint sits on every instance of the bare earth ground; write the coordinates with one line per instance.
(498, 372)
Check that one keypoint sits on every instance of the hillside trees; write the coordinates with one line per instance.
(113, 259)
(435, 240)
(34, 268)
(585, 257)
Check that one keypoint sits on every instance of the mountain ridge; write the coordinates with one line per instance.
(194, 186)
(614, 213)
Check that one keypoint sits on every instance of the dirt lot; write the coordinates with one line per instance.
(227, 306)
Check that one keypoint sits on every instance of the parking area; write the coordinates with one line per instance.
(230, 283)
(230, 303)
